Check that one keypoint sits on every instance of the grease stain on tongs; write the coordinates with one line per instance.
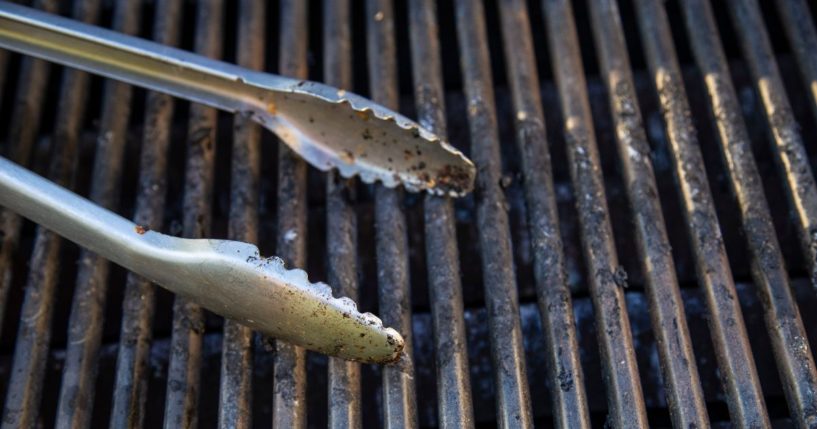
(332, 128)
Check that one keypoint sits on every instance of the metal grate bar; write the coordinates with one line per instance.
(624, 395)
(25, 122)
(344, 389)
(235, 398)
(289, 403)
(566, 379)
(394, 289)
(442, 256)
(130, 388)
(184, 368)
(788, 143)
(790, 344)
(803, 38)
(729, 336)
(680, 373)
(499, 281)
(76, 397)
(34, 332)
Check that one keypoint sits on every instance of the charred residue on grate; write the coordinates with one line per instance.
(29, 82)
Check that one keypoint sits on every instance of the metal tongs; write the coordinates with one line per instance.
(328, 127)
(229, 278)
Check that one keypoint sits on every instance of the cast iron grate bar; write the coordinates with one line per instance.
(680, 373)
(25, 122)
(289, 403)
(803, 38)
(513, 408)
(34, 331)
(740, 381)
(788, 142)
(235, 398)
(564, 371)
(90, 294)
(344, 389)
(605, 276)
(795, 363)
(184, 369)
(394, 288)
(138, 307)
(442, 256)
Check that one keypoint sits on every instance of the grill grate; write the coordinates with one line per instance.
(640, 256)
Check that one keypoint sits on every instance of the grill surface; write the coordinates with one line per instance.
(640, 248)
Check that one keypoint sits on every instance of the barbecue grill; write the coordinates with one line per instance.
(640, 249)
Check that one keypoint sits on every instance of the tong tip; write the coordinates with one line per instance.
(285, 304)
(332, 128)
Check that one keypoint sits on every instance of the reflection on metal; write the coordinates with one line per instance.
(328, 127)
(228, 277)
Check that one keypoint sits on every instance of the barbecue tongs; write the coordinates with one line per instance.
(328, 127)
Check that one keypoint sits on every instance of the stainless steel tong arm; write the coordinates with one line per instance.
(328, 127)
(226, 277)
